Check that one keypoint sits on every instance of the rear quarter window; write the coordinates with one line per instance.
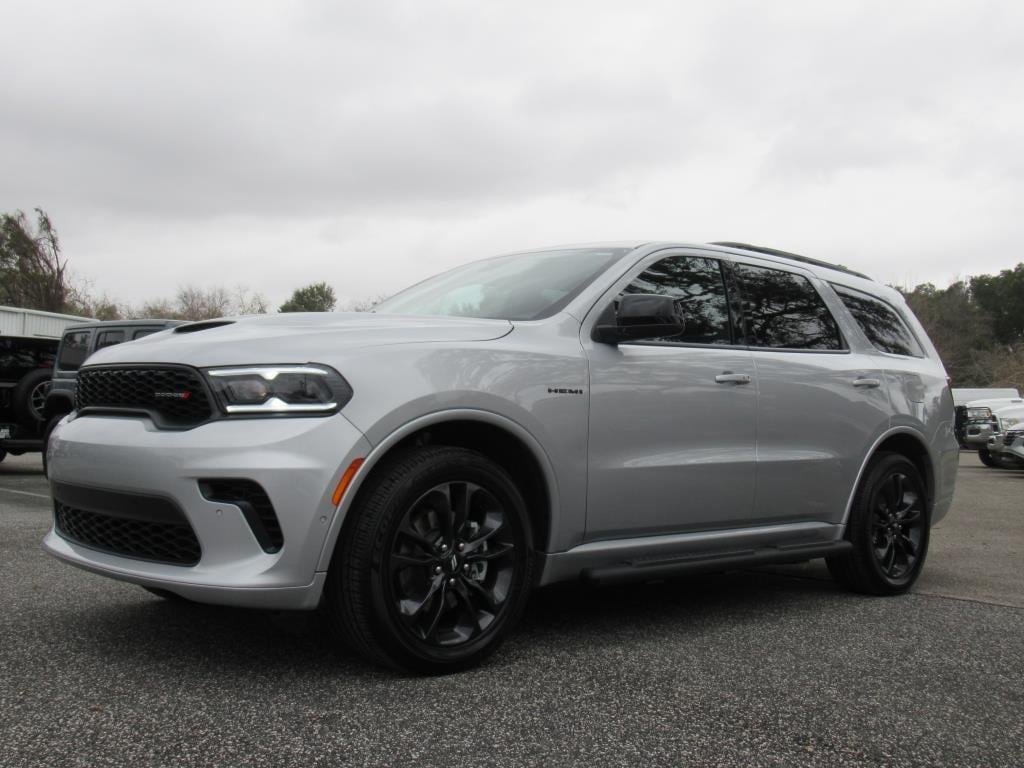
(882, 325)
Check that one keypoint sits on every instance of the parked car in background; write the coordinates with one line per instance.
(28, 348)
(981, 423)
(1008, 421)
(975, 405)
(76, 345)
(964, 395)
(1013, 443)
(623, 412)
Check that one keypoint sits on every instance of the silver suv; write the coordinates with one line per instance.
(624, 412)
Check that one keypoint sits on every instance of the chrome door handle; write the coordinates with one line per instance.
(734, 378)
(867, 383)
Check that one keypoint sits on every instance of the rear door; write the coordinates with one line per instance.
(821, 404)
(672, 420)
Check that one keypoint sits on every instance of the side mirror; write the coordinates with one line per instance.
(641, 316)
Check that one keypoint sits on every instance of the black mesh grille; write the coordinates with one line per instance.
(173, 543)
(249, 497)
(176, 395)
(1009, 437)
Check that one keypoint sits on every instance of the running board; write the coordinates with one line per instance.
(647, 569)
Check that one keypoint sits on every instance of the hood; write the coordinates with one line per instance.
(993, 404)
(293, 337)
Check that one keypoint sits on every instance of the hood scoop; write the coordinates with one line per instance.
(202, 326)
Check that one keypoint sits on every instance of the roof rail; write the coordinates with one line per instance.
(793, 256)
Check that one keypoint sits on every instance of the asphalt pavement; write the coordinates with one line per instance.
(774, 667)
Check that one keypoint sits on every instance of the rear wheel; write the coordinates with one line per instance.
(434, 568)
(888, 527)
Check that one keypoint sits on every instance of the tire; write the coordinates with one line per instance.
(888, 527)
(29, 397)
(433, 567)
(999, 461)
(3, 455)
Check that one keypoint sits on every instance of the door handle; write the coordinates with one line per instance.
(867, 383)
(734, 378)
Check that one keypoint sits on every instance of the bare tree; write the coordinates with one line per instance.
(31, 266)
(363, 305)
(249, 302)
(82, 300)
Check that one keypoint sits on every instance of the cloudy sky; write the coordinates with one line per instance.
(372, 144)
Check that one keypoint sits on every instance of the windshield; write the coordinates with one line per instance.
(523, 286)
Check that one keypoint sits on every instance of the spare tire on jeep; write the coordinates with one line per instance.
(29, 397)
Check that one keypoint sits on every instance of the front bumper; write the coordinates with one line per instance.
(977, 434)
(297, 461)
(1015, 448)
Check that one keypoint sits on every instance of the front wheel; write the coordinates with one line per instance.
(888, 527)
(999, 461)
(434, 567)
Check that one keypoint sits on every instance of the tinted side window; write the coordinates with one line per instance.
(697, 286)
(144, 332)
(74, 348)
(884, 328)
(109, 339)
(784, 310)
(18, 356)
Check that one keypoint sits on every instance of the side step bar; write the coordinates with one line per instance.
(661, 568)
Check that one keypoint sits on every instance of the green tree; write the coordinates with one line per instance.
(32, 270)
(958, 328)
(1001, 297)
(315, 297)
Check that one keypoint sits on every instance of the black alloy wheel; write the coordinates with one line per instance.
(37, 398)
(888, 527)
(433, 566)
(452, 561)
(897, 524)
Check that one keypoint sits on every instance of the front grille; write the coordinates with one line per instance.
(173, 543)
(252, 500)
(1009, 437)
(174, 396)
(128, 524)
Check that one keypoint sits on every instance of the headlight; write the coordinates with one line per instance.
(978, 413)
(1010, 421)
(280, 390)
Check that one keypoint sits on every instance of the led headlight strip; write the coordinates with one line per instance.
(279, 389)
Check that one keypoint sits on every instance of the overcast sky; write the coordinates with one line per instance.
(372, 144)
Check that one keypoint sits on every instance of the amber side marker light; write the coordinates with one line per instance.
(346, 480)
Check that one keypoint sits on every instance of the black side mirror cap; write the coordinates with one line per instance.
(640, 316)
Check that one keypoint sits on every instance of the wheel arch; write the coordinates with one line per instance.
(495, 436)
(905, 442)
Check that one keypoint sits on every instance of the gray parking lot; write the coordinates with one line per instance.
(767, 667)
